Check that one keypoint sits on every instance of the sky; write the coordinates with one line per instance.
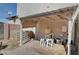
(5, 8)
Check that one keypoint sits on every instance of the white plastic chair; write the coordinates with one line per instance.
(50, 42)
(42, 42)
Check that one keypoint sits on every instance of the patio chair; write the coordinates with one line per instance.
(42, 42)
(50, 42)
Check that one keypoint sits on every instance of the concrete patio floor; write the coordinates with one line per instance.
(34, 48)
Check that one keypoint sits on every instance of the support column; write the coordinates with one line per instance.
(70, 29)
(69, 36)
(20, 34)
(18, 21)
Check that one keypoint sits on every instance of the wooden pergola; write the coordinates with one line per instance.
(53, 16)
(68, 14)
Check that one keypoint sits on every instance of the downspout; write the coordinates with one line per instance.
(70, 29)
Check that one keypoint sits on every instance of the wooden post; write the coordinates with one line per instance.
(70, 29)
(19, 23)
(69, 36)
(20, 34)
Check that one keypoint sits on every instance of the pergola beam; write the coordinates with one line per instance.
(54, 12)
